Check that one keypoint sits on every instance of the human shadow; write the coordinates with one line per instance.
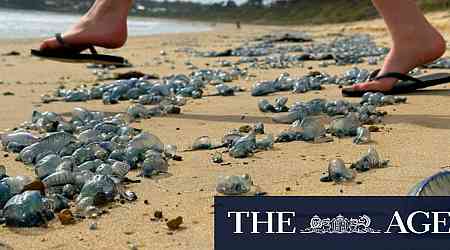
(429, 121)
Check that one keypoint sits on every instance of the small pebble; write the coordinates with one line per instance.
(374, 129)
(66, 217)
(132, 246)
(175, 223)
(158, 214)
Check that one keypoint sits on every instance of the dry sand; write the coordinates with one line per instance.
(416, 140)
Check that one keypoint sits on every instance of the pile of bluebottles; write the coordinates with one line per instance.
(240, 143)
(338, 172)
(171, 90)
(312, 81)
(308, 119)
(80, 164)
(344, 50)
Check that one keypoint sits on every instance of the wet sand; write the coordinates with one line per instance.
(416, 139)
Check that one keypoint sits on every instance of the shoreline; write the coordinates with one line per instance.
(34, 27)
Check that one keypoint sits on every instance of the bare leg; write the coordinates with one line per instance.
(104, 25)
(415, 41)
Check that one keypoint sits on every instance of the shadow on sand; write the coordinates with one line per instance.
(224, 118)
(203, 117)
(435, 92)
(429, 121)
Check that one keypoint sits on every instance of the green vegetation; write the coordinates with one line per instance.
(281, 12)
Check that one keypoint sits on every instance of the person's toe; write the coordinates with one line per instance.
(381, 85)
(362, 86)
(49, 44)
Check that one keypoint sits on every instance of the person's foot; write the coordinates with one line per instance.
(105, 25)
(405, 56)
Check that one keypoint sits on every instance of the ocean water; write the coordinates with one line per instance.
(39, 24)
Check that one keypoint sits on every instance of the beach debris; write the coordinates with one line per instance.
(35, 185)
(202, 143)
(353, 76)
(93, 225)
(279, 106)
(244, 146)
(300, 110)
(245, 128)
(441, 63)
(344, 50)
(85, 158)
(379, 99)
(284, 82)
(265, 143)
(17, 140)
(374, 128)
(5, 193)
(337, 172)
(370, 160)
(147, 90)
(307, 129)
(217, 157)
(154, 163)
(8, 93)
(66, 217)
(345, 126)
(2, 172)
(435, 185)
(259, 128)
(174, 224)
(234, 185)
(26, 210)
(158, 214)
(292, 37)
(11, 53)
(362, 136)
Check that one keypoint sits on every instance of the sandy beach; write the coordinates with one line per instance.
(415, 138)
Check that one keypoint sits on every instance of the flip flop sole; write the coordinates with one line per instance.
(404, 87)
(79, 58)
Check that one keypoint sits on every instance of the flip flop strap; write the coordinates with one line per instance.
(399, 76)
(61, 41)
(92, 50)
(374, 74)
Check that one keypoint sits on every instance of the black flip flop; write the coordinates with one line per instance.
(406, 84)
(72, 55)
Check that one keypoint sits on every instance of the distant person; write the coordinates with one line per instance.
(415, 40)
(238, 25)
